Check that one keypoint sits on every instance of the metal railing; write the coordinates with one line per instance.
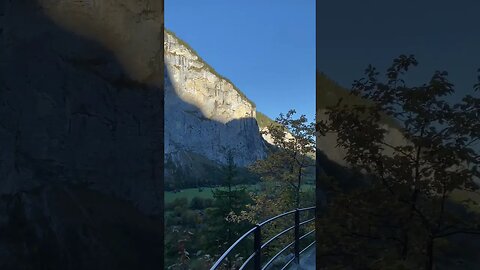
(256, 256)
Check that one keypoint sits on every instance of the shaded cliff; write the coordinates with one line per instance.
(81, 134)
(328, 94)
(206, 116)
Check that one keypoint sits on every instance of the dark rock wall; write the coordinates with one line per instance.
(81, 134)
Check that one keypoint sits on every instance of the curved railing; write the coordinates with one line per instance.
(256, 256)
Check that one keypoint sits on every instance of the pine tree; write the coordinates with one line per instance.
(228, 200)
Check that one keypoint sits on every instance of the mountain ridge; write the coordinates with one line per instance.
(330, 91)
(209, 67)
(328, 94)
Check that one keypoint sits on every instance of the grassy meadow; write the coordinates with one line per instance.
(206, 192)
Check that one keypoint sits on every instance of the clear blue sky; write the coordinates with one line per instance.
(265, 47)
(442, 34)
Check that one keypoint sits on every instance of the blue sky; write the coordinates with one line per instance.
(265, 47)
(442, 34)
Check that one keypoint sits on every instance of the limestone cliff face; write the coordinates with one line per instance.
(205, 114)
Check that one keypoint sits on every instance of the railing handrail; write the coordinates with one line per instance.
(225, 254)
(257, 241)
(275, 217)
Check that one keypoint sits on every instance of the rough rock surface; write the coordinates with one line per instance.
(206, 115)
(268, 137)
(81, 123)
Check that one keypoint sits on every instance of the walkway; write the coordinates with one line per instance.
(307, 260)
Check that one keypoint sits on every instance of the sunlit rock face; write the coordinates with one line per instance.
(204, 113)
(269, 139)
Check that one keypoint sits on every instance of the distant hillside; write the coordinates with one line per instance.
(264, 121)
(329, 92)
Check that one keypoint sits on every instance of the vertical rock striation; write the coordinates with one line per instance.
(205, 114)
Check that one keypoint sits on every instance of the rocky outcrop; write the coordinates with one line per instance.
(269, 139)
(81, 122)
(205, 114)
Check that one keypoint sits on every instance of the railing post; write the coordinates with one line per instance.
(297, 236)
(257, 247)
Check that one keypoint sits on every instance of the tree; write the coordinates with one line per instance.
(283, 173)
(231, 200)
(294, 146)
(405, 205)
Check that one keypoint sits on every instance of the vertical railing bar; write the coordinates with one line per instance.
(257, 246)
(297, 236)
